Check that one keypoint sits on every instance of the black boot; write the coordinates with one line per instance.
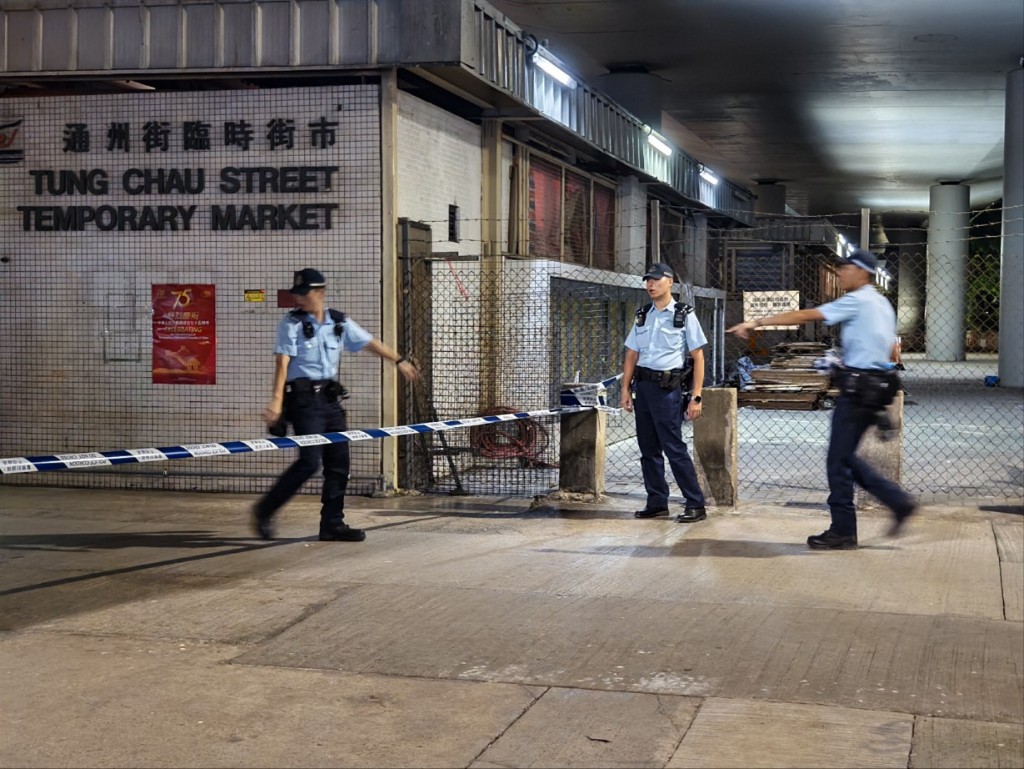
(829, 540)
(341, 533)
(692, 515)
(262, 523)
(651, 512)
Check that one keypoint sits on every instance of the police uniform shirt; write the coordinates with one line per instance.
(869, 327)
(317, 357)
(661, 345)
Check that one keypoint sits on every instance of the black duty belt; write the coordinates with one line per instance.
(643, 373)
(316, 385)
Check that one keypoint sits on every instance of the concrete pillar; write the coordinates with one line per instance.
(390, 271)
(716, 444)
(885, 456)
(1011, 281)
(491, 263)
(581, 452)
(631, 234)
(946, 306)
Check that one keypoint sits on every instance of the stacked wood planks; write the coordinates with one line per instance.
(791, 381)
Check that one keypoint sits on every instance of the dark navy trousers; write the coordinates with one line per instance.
(849, 423)
(659, 433)
(310, 413)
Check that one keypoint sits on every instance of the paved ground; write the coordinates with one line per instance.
(149, 629)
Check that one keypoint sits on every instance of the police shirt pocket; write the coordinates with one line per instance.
(672, 336)
(643, 338)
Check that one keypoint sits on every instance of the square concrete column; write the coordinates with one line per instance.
(581, 452)
(716, 444)
(631, 232)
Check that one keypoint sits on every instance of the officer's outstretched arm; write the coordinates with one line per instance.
(790, 318)
(405, 367)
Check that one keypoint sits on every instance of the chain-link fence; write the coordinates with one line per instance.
(124, 206)
(962, 434)
(506, 337)
(502, 339)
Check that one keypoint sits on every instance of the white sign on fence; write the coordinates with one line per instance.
(761, 304)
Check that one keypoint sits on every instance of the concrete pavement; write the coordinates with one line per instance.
(150, 629)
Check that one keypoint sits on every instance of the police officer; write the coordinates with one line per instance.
(664, 335)
(310, 341)
(868, 339)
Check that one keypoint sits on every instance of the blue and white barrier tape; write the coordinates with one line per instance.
(589, 394)
(47, 463)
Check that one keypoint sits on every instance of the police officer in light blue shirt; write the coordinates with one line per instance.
(869, 343)
(665, 335)
(310, 342)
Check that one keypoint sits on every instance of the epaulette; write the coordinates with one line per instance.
(678, 318)
(299, 316)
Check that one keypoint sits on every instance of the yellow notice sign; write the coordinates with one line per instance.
(255, 295)
(761, 304)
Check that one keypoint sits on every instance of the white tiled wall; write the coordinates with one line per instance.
(439, 164)
(75, 305)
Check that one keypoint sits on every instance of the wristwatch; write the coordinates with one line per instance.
(696, 399)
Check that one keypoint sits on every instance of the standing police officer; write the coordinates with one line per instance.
(869, 345)
(310, 340)
(664, 334)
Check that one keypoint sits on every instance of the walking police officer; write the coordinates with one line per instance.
(654, 377)
(867, 382)
(306, 392)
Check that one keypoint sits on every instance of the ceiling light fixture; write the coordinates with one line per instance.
(659, 143)
(707, 175)
(554, 70)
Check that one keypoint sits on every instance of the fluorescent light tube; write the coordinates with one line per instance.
(659, 144)
(707, 176)
(554, 70)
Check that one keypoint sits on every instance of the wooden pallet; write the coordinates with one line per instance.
(790, 381)
(800, 377)
(791, 401)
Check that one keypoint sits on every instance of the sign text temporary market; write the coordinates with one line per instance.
(80, 190)
(230, 180)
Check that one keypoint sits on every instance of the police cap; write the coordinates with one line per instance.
(306, 280)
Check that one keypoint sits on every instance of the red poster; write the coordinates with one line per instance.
(184, 334)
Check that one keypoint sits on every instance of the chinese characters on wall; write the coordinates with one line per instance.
(146, 182)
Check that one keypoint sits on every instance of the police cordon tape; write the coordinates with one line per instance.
(47, 463)
(51, 462)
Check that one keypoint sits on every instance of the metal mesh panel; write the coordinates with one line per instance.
(483, 346)
(507, 339)
(962, 435)
(118, 194)
(80, 293)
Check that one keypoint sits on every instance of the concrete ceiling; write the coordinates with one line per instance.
(848, 103)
